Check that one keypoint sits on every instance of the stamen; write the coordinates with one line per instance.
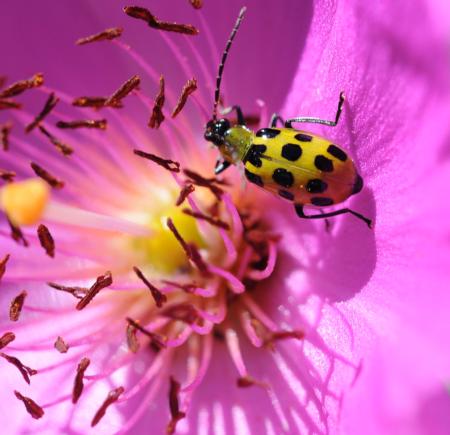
(9, 104)
(132, 340)
(16, 233)
(95, 102)
(6, 338)
(196, 3)
(101, 282)
(209, 183)
(18, 87)
(174, 406)
(46, 176)
(189, 248)
(248, 381)
(3, 265)
(159, 297)
(100, 124)
(46, 240)
(216, 222)
(63, 148)
(145, 15)
(170, 165)
(188, 288)
(113, 396)
(184, 193)
(60, 345)
(77, 292)
(31, 406)
(129, 86)
(49, 105)
(157, 116)
(189, 88)
(7, 176)
(183, 312)
(5, 131)
(158, 342)
(78, 383)
(106, 35)
(282, 335)
(16, 306)
(25, 371)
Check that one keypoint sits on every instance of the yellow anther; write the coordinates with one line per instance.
(24, 202)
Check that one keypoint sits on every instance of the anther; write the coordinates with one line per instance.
(7, 176)
(189, 88)
(9, 104)
(213, 221)
(46, 240)
(49, 105)
(145, 15)
(158, 296)
(77, 292)
(6, 338)
(3, 265)
(125, 89)
(132, 340)
(209, 183)
(60, 345)
(18, 87)
(99, 124)
(78, 385)
(5, 131)
(196, 3)
(16, 306)
(31, 406)
(25, 371)
(105, 35)
(100, 283)
(16, 233)
(188, 288)
(113, 396)
(46, 176)
(248, 381)
(63, 148)
(282, 335)
(185, 191)
(95, 102)
(183, 312)
(157, 341)
(174, 406)
(170, 165)
(157, 116)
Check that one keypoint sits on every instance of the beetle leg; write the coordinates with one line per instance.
(221, 165)
(312, 120)
(240, 115)
(275, 118)
(301, 214)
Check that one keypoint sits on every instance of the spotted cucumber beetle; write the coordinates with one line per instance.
(298, 166)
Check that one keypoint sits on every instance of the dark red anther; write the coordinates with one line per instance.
(78, 385)
(101, 282)
(174, 406)
(9, 104)
(159, 297)
(6, 338)
(184, 312)
(189, 248)
(282, 335)
(99, 124)
(184, 193)
(60, 146)
(5, 130)
(49, 105)
(60, 345)
(170, 165)
(46, 240)
(95, 102)
(248, 381)
(196, 3)
(77, 292)
(16, 306)
(113, 396)
(125, 89)
(3, 265)
(31, 406)
(189, 88)
(105, 35)
(213, 221)
(158, 342)
(25, 371)
(210, 183)
(188, 288)
(157, 116)
(46, 176)
(145, 15)
(132, 340)
(16, 233)
(7, 176)
(18, 87)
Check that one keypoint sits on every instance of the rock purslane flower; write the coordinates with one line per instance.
(141, 293)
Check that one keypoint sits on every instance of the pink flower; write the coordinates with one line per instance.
(281, 326)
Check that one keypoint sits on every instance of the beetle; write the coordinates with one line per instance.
(296, 165)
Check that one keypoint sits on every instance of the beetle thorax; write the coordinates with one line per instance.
(237, 141)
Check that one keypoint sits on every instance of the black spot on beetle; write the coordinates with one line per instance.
(291, 152)
(321, 201)
(254, 155)
(303, 137)
(358, 184)
(337, 152)
(286, 194)
(323, 163)
(268, 132)
(254, 178)
(316, 186)
(283, 177)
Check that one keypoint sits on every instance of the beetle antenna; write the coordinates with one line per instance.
(224, 58)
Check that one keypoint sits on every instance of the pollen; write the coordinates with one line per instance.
(24, 202)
